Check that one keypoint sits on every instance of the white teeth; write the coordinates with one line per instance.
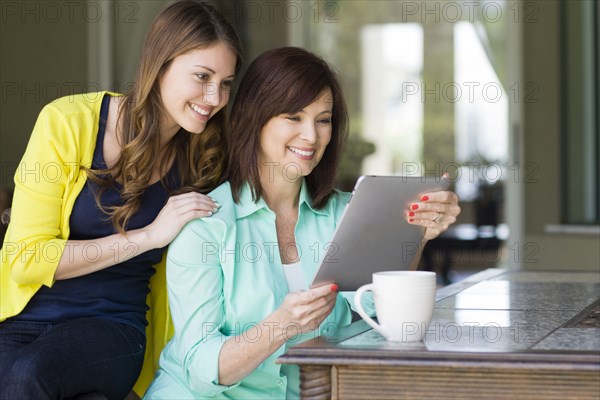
(302, 152)
(199, 110)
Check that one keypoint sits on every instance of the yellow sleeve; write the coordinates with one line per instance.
(35, 242)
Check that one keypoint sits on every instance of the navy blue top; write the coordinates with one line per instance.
(118, 292)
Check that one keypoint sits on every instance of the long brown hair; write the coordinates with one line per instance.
(283, 80)
(181, 27)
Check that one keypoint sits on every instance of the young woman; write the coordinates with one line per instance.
(238, 282)
(106, 182)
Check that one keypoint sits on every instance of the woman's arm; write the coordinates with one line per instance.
(213, 360)
(304, 310)
(35, 249)
(45, 177)
(115, 249)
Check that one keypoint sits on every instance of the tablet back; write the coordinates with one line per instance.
(373, 234)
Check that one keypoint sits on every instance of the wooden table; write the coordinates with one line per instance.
(496, 335)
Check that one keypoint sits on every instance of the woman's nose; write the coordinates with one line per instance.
(212, 94)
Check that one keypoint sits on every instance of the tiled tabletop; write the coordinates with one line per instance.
(506, 311)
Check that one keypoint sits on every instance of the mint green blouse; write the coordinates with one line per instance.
(224, 275)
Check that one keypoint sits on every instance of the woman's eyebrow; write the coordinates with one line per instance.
(212, 71)
(206, 68)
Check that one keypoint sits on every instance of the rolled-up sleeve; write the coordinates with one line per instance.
(195, 284)
(368, 302)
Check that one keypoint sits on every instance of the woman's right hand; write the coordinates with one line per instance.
(307, 309)
(301, 312)
(178, 211)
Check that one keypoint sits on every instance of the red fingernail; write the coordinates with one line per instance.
(414, 207)
(411, 214)
(424, 198)
(411, 220)
(334, 288)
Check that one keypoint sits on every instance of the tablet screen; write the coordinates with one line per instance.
(373, 234)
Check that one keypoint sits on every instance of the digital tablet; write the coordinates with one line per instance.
(373, 234)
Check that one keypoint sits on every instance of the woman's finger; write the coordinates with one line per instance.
(182, 206)
(191, 197)
(431, 210)
(320, 310)
(316, 293)
(441, 196)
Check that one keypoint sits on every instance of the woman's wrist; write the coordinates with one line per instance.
(141, 239)
(278, 328)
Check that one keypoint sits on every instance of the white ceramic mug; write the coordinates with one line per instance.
(403, 302)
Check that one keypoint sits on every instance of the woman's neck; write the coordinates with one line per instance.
(280, 194)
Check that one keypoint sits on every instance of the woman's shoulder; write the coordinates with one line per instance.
(222, 194)
(336, 203)
(221, 220)
(338, 200)
(77, 104)
(70, 124)
(340, 196)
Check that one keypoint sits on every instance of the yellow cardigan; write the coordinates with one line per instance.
(47, 181)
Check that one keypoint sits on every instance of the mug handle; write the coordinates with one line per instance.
(361, 311)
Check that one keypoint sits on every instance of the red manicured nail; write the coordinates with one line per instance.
(414, 207)
(411, 214)
(334, 288)
(424, 198)
(411, 220)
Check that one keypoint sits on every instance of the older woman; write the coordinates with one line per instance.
(238, 282)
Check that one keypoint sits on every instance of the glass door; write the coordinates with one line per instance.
(432, 88)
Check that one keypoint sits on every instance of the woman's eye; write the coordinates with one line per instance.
(202, 77)
(293, 118)
(325, 121)
(227, 84)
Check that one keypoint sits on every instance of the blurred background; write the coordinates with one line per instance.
(502, 95)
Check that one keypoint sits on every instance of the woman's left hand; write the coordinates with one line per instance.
(436, 212)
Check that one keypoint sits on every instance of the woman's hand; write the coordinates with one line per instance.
(307, 309)
(178, 211)
(436, 212)
(301, 312)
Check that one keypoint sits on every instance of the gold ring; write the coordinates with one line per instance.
(438, 219)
